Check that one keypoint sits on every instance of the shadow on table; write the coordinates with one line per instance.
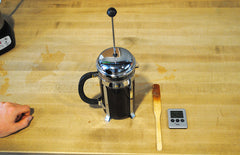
(142, 87)
(9, 18)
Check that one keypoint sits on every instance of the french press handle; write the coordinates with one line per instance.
(82, 81)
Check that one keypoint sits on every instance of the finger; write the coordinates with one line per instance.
(23, 123)
(21, 116)
(23, 109)
(24, 116)
(17, 108)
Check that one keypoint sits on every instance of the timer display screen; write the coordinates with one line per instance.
(176, 114)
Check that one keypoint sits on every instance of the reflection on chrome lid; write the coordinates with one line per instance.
(119, 66)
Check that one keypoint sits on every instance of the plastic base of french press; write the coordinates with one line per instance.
(108, 118)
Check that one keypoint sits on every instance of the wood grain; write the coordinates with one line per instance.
(190, 47)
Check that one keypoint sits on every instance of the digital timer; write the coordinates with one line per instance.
(177, 119)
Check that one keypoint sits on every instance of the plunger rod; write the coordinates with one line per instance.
(114, 48)
(111, 13)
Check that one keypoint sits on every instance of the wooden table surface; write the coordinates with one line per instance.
(190, 47)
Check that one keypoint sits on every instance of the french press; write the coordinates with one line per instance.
(115, 70)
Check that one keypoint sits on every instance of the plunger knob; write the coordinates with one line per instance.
(111, 12)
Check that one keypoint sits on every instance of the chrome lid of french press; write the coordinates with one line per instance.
(116, 67)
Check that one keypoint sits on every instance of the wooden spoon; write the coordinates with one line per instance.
(157, 108)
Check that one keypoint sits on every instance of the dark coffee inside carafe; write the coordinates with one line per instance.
(118, 100)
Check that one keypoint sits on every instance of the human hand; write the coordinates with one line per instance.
(13, 117)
